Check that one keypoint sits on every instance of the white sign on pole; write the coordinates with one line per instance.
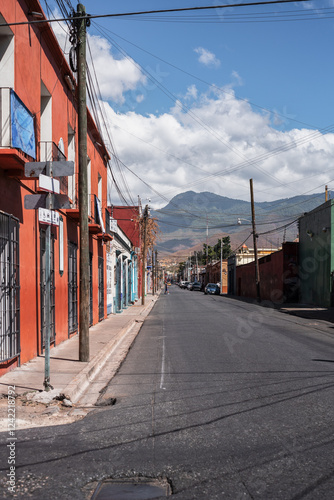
(55, 218)
(49, 184)
(46, 216)
(113, 225)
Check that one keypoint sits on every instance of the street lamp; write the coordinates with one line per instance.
(241, 219)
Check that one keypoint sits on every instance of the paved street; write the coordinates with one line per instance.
(223, 398)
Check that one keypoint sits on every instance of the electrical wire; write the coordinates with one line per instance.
(161, 11)
(104, 30)
(92, 98)
(213, 132)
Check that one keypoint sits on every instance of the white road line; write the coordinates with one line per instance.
(163, 367)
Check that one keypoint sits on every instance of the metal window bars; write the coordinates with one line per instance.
(9, 288)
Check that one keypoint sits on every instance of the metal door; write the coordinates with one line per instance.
(90, 289)
(43, 290)
(72, 288)
(101, 288)
(9, 287)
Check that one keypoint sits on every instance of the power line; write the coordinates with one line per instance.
(212, 132)
(161, 11)
(103, 30)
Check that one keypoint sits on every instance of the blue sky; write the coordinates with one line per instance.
(276, 82)
(282, 66)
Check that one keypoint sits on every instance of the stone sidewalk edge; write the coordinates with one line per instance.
(81, 381)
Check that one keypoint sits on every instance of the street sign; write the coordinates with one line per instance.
(46, 216)
(59, 168)
(49, 184)
(113, 225)
(33, 201)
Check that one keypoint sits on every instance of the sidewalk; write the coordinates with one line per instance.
(110, 338)
(309, 312)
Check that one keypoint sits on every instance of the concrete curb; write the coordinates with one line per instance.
(82, 380)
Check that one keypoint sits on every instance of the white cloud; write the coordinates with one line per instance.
(218, 145)
(191, 92)
(116, 76)
(237, 78)
(206, 57)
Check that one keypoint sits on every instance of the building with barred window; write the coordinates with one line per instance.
(39, 123)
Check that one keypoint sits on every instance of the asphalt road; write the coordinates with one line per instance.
(225, 399)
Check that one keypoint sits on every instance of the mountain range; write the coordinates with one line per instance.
(191, 219)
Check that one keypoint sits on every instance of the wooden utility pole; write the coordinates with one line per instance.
(153, 272)
(257, 272)
(83, 188)
(156, 271)
(143, 281)
(326, 193)
(221, 265)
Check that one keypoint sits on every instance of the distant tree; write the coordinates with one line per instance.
(180, 270)
(226, 247)
(208, 254)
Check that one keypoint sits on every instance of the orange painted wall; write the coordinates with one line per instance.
(38, 58)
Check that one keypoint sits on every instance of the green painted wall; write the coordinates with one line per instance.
(316, 255)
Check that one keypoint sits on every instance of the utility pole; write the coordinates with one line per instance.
(83, 188)
(257, 272)
(207, 240)
(156, 271)
(326, 193)
(143, 281)
(153, 272)
(221, 265)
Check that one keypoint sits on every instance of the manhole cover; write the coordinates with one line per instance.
(140, 489)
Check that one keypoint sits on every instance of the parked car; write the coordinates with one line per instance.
(212, 289)
(190, 286)
(197, 286)
(184, 284)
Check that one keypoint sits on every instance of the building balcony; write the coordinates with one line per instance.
(17, 133)
(96, 224)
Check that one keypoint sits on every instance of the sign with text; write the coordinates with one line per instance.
(113, 225)
(46, 216)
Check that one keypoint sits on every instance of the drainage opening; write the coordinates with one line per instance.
(132, 489)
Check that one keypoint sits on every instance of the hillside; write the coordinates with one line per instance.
(191, 218)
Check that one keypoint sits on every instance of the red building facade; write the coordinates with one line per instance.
(278, 276)
(39, 123)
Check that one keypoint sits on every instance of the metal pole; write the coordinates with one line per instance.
(257, 271)
(49, 205)
(143, 282)
(83, 190)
